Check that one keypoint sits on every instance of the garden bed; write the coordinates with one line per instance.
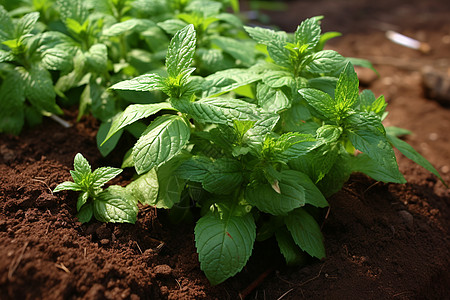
(383, 241)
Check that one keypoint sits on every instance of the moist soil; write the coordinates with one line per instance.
(383, 241)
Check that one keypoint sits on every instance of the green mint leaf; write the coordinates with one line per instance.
(6, 56)
(224, 244)
(317, 163)
(368, 102)
(224, 176)
(102, 175)
(108, 146)
(265, 36)
(170, 186)
(329, 133)
(292, 195)
(112, 205)
(138, 25)
(97, 58)
(222, 111)
(194, 169)
(86, 212)
(164, 138)
(321, 102)
(227, 80)
(306, 232)
(12, 98)
(134, 113)
(291, 252)
(81, 165)
(367, 134)
(271, 99)
(241, 50)
(67, 186)
(325, 84)
(413, 155)
(347, 90)
(277, 79)
(336, 175)
(57, 59)
(171, 26)
(327, 62)
(397, 131)
(82, 199)
(145, 188)
(181, 51)
(365, 164)
(293, 144)
(26, 24)
(256, 135)
(362, 63)
(326, 37)
(73, 9)
(7, 28)
(39, 89)
(308, 33)
(279, 53)
(147, 82)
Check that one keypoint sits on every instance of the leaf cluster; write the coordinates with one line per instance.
(256, 145)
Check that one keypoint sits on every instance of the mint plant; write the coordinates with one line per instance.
(114, 204)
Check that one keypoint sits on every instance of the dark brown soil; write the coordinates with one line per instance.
(383, 241)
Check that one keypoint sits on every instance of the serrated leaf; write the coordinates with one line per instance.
(366, 133)
(112, 205)
(347, 89)
(291, 252)
(362, 63)
(181, 51)
(222, 111)
(134, 113)
(279, 53)
(265, 198)
(26, 24)
(277, 79)
(67, 186)
(308, 33)
(257, 134)
(264, 35)
(39, 89)
(147, 82)
(102, 175)
(57, 59)
(368, 102)
(138, 25)
(165, 137)
(306, 232)
(325, 84)
(321, 102)
(413, 155)
(81, 165)
(271, 99)
(224, 244)
(145, 188)
(326, 62)
(227, 80)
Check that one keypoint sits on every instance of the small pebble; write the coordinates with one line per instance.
(162, 270)
(104, 242)
(407, 218)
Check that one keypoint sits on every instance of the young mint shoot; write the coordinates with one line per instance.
(110, 205)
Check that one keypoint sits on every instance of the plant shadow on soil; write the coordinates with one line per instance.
(383, 241)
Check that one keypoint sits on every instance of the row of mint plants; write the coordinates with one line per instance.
(249, 132)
